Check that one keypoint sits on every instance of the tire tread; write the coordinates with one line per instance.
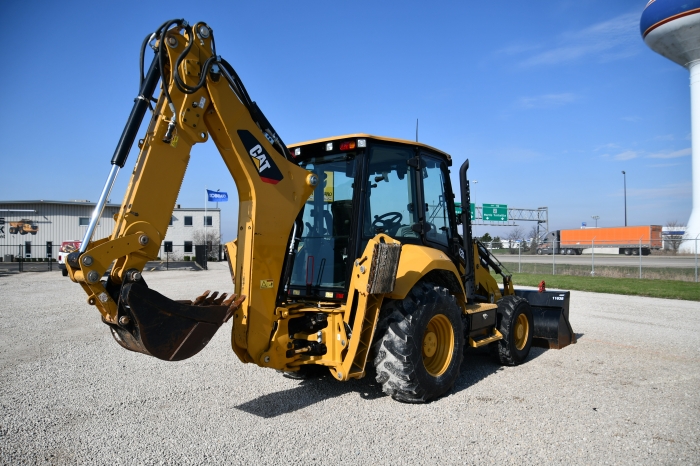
(397, 354)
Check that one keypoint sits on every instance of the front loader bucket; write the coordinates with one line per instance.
(170, 330)
(550, 313)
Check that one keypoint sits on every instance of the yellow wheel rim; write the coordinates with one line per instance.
(522, 330)
(438, 345)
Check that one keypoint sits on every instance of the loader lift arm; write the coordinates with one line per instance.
(201, 97)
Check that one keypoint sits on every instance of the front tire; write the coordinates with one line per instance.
(420, 348)
(515, 323)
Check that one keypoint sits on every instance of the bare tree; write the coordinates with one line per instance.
(673, 239)
(534, 232)
(515, 236)
(213, 240)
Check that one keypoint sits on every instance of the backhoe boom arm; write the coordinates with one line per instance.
(201, 97)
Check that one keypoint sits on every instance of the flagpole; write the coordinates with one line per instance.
(206, 198)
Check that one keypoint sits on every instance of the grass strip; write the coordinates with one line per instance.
(670, 289)
(609, 271)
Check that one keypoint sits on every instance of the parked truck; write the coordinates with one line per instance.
(626, 240)
(66, 248)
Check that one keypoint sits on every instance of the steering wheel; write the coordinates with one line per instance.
(389, 222)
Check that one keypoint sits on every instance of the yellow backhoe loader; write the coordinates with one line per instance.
(348, 254)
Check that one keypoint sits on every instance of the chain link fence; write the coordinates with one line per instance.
(644, 264)
(30, 257)
(35, 258)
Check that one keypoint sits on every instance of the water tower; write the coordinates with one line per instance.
(672, 29)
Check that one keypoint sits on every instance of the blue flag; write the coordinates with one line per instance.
(216, 196)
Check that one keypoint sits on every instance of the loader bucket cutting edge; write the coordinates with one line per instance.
(550, 315)
(163, 328)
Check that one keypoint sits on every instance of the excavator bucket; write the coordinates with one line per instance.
(550, 313)
(152, 324)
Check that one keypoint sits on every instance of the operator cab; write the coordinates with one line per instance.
(367, 185)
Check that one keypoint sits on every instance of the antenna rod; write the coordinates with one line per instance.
(416, 129)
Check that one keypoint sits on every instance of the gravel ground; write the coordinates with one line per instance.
(625, 394)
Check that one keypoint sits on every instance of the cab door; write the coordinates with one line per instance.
(438, 202)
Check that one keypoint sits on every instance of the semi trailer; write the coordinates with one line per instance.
(621, 240)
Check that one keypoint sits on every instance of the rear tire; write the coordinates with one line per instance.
(539, 252)
(64, 272)
(419, 345)
(515, 323)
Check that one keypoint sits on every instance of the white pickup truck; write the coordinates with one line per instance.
(66, 248)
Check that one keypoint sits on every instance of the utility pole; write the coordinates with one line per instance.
(595, 217)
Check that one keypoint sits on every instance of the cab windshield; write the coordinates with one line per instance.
(322, 252)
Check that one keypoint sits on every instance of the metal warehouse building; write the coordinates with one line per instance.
(27, 226)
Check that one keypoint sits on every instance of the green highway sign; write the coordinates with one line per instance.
(472, 209)
(494, 212)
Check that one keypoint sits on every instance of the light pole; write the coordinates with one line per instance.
(624, 180)
(595, 217)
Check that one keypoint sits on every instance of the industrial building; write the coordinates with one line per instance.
(35, 229)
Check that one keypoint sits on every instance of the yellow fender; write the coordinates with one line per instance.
(416, 262)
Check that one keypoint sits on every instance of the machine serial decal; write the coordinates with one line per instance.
(267, 169)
